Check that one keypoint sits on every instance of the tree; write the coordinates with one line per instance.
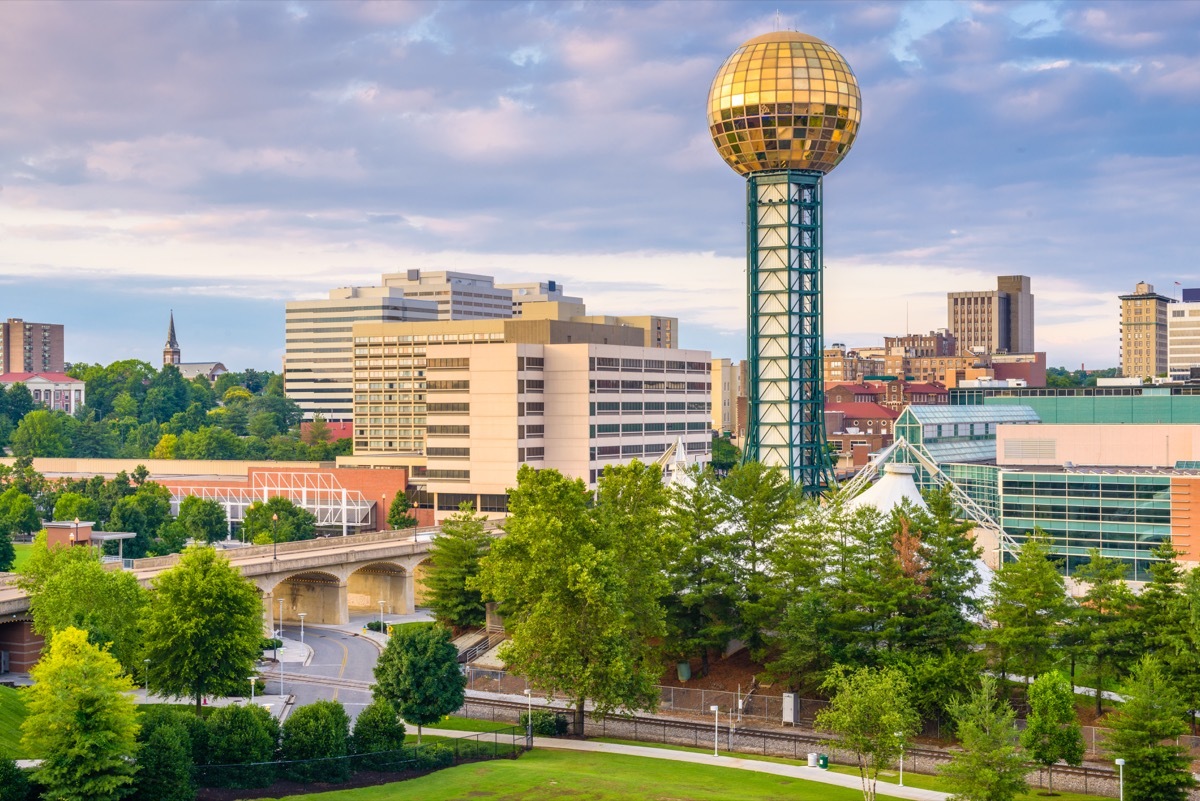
(870, 717)
(724, 454)
(1156, 769)
(18, 512)
(14, 784)
(1106, 618)
(418, 674)
(106, 604)
(1028, 605)
(944, 610)
(398, 516)
(989, 767)
(242, 735)
(209, 442)
(164, 757)
(203, 520)
(19, 401)
(316, 737)
(581, 588)
(81, 722)
(73, 505)
(700, 605)
(143, 512)
(42, 433)
(203, 631)
(318, 432)
(378, 728)
(452, 567)
(1052, 732)
(293, 523)
(8, 554)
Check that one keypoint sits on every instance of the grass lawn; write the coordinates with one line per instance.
(545, 774)
(22, 549)
(469, 724)
(12, 712)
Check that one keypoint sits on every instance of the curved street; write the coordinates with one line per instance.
(336, 653)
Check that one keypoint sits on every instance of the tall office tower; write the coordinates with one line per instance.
(1183, 340)
(31, 347)
(783, 110)
(538, 292)
(318, 363)
(459, 296)
(1143, 332)
(999, 321)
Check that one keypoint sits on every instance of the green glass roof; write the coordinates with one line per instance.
(942, 414)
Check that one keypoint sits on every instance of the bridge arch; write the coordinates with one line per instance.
(319, 594)
(385, 581)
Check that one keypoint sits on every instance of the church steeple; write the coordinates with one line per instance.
(171, 349)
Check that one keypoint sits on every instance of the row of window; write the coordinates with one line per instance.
(660, 365)
(617, 429)
(613, 385)
(650, 407)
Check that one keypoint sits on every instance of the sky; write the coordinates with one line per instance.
(220, 159)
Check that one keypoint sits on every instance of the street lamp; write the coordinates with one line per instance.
(900, 737)
(75, 536)
(1121, 768)
(716, 710)
(529, 715)
(146, 662)
(301, 616)
(382, 630)
(275, 536)
(281, 639)
(252, 680)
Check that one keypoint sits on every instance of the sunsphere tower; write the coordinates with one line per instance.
(783, 111)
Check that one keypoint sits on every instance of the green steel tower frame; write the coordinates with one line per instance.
(783, 279)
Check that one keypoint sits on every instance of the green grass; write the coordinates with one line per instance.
(546, 775)
(22, 549)
(926, 782)
(12, 712)
(470, 724)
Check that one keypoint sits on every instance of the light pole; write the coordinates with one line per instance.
(252, 680)
(1121, 768)
(274, 536)
(301, 616)
(281, 640)
(528, 716)
(382, 630)
(146, 662)
(75, 536)
(716, 710)
(900, 737)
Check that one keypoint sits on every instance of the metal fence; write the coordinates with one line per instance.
(411, 760)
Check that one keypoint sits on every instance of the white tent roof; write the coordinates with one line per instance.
(896, 484)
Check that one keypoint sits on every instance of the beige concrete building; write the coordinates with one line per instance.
(839, 364)
(31, 347)
(1144, 332)
(459, 296)
(725, 381)
(538, 292)
(1183, 340)
(659, 332)
(318, 362)
(462, 404)
(997, 321)
(933, 344)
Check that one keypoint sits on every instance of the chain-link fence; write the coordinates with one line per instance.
(410, 760)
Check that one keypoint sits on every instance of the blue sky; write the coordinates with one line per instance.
(222, 158)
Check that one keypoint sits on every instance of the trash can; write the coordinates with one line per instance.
(823, 761)
(812, 759)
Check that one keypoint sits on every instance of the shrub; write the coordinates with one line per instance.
(375, 625)
(165, 757)
(315, 740)
(433, 757)
(378, 730)
(270, 643)
(14, 783)
(546, 723)
(241, 735)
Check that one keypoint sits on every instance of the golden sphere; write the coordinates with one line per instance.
(784, 101)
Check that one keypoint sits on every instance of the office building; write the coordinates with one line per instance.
(1183, 340)
(459, 296)
(933, 344)
(783, 111)
(318, 362)
(462, 404)
(1144, 332)
(724, 396)
(996, 321)
(539, 292)
(31, 347)
(657, 331)
(841, 364)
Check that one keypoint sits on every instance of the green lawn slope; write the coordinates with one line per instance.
(12, 713)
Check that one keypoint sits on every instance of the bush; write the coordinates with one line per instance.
(316, 739)
(433, 757)
(165, 757)
(375, 625)
(270, 643)
(546, 723)
(377, 730)
(241, 735)
(14, 784)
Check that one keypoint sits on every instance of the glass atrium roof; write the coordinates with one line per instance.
(940, 414)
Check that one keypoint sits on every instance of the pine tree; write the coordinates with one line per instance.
(398, 516)
(452, 567)
(1028, 606)
(989, 767)
(1156, 769)
(1107, 623)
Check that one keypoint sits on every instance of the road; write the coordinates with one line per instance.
(337, 654)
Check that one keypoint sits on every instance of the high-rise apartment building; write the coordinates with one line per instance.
(31, 347)
(839, 364)
(462, 404)
(318, 363)
(998, 321)
(1183, 340)
(1144, 332)
(459, 296)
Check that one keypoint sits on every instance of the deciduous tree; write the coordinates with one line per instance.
(418, 674)
(203, 630)
(293, 523)
(203, 520)
(989, 767)
(81, 722)
(1052, 733)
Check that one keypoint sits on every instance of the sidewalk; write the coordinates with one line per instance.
(273, 703)
(358, 625)
(789, 771)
